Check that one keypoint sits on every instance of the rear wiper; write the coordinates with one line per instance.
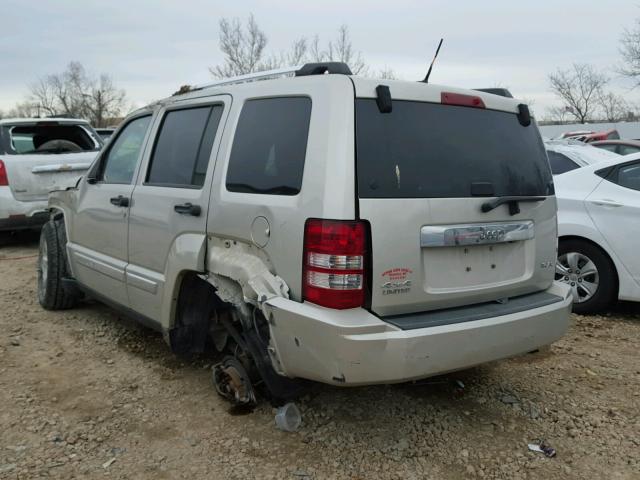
(514, 207)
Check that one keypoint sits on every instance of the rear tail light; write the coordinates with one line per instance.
(4, 179)
(450, 98)
(334, 263)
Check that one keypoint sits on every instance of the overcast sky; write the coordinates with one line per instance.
(151, 47)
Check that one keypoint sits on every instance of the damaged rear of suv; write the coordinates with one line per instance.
(320, 227)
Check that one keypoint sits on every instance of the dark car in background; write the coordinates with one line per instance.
(621, 147)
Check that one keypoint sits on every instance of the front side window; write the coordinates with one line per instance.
(181, 154)
(560, 163)
(122, 157)
(270, 146)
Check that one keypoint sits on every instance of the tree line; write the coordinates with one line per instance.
(74, 92)
(582, 89)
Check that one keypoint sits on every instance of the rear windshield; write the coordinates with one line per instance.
(429, 150)
(55, 138)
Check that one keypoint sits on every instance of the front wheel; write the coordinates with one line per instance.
(590, 274)
(52, 268)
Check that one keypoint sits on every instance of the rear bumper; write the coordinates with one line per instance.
(17, 215)
(354, 347)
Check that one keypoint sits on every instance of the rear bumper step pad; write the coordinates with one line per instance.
(470, 313)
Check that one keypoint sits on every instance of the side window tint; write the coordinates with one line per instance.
(124, 152)
(270, 146)
(629, 176)
(560, 163)
(183, 147)
(612, 148)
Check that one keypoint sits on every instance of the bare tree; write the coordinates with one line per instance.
(243, 48)
(613, 107)
(24, 110)
(557, 114)
(386, 73)
(103, 101)
(579, 88)
(340, 50)
(75, 93)
(630, 51)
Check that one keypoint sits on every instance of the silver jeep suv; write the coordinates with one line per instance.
(319, 227)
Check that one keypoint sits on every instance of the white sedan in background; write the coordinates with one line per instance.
(567, 155)
(599, 232)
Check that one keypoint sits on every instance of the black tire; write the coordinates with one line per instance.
(52, 268)
(607, 278)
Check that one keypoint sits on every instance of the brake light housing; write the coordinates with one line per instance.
(4, 178)
(462, 100)
(334, 259)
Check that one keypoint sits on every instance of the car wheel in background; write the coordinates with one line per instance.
(52, 268)
(590, 274)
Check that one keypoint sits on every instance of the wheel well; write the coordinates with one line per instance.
(604, 252)
(195, 298)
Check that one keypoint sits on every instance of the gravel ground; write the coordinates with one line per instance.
(88, 394)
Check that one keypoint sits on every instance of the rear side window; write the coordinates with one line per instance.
(49, 137)
(629, 176)
(560, 163)
(181, 154)
(269, 146)
(429, 150)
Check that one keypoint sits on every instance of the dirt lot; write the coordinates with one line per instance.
(87, 394)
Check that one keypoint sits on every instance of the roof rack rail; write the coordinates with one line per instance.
(503, 92)
(297, 71)
(252, 77)
(321, 68)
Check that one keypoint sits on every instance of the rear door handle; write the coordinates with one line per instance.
(188, 209)
(119, 201)
(605, 202)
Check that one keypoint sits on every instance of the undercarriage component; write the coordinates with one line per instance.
(232, 382)
(252, 347)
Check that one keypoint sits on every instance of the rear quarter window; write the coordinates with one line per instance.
(269, 146)
(560, 163)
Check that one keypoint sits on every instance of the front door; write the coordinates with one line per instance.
(98, 235)
(170, 201)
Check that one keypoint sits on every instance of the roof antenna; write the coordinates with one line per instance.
(426, 79)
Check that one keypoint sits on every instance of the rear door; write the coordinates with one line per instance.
(46, 156)
(614, 207)
(171, 200)
(424, 172)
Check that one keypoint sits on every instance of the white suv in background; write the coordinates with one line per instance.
(37, 156)
(319, 227)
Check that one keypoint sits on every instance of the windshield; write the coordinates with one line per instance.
(49, 138)
(430, 150)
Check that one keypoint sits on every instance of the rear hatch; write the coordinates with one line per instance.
(47, 155)
(424, 172)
